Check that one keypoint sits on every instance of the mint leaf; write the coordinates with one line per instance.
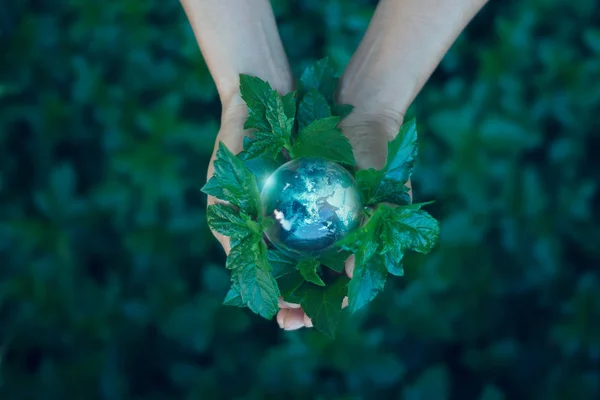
(233, 182)
(323, 139)
(364, 241)
(342, 110)
(289, 104)
(288, 284)
(262, 144)
(322, 77)
(233, 298)
(280, 263)
(230, 222)
(324, 304)
(255, 93)
(308, 270)
(313, 107)
(394, 264)
(367, 281)
(280, 122)
(253, 280)
(410, 229)
(335, 260)
(279, 113)
(242, 253)
(388, 184)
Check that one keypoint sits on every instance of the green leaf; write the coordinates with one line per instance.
(342, 110)
(288, 284)
(228, 221)
(324, 304)
(375, 190)
(256, 93)
(308, 270)
(313, 107)
(388, 184)
(335, 260)
(323, 139)
(322, 77)
(263, 144)
(289, 104)
(364, 241)
(233, 298)
(280, 263)
(232, 181)
(279, 113)
(253, 280)
(281, 123)
(242, 253)
(393, 265)
(409, 229)
(367, 281)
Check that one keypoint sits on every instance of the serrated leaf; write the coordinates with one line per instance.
(364, 241)
(308, 270)
(388, 184)
(313, 107)
(322, 139)
(288, 284)
(324, 304)
(335, 260)
(393, 265)
(262, 144)
(410, 229)
(255, 93)
(367, 281)
(233, 298)
(242, 253)
(232, 181)
(322, 77)
(342, 110)
(228, 221)
(376, 190)
(281, 124)
(280, 263)
(289, 104)
(253, 280)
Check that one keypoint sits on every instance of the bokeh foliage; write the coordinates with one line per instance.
(111, 284)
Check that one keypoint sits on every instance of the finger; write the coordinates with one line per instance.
(345, 302)
(349, 266)
(291, 319)
(410, 36)
(307, 321)
(284, 304)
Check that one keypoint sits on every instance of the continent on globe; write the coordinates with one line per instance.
(313, 202)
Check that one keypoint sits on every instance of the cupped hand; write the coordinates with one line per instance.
(368, 134)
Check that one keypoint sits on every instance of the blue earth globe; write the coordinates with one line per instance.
(313, 202)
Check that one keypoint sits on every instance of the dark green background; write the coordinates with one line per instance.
(110, 282)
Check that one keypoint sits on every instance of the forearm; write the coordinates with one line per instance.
(239, 37)
(404, 43)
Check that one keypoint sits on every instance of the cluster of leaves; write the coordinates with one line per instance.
(111, 283)
(379, 245)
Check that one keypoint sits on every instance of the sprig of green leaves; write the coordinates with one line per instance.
(379, 246)
(304, 123)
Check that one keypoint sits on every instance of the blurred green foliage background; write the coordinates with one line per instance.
(111, 284)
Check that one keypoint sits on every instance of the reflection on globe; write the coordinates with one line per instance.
(314, 203)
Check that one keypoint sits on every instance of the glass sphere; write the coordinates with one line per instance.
(314, 203)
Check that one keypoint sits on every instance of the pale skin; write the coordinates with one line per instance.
(403, 45)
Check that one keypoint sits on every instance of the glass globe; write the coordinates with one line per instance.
(313, 203)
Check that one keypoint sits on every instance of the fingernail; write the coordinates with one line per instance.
(307, 321)
(349, 266)
(281, 317)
